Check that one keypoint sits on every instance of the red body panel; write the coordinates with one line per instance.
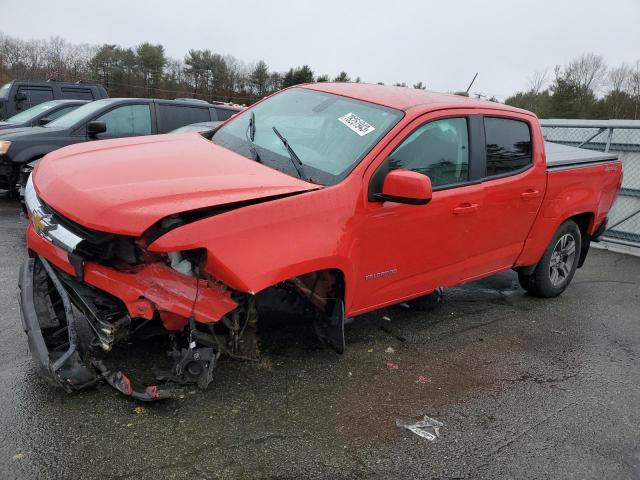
(387, 252)
(588, 189)
(153, 287)
(123, 186)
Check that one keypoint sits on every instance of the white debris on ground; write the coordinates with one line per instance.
(428, 428)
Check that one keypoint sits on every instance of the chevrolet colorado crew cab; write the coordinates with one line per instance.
(345, 198)
(20, 148)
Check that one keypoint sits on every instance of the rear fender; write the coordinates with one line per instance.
(583, 193)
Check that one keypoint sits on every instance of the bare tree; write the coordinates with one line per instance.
(634, 88)
(618, 78)
(538, 81)
(587, 72)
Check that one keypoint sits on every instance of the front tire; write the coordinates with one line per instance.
(556, 268)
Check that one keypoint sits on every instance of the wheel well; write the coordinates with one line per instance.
(321, 287)
(584, 221)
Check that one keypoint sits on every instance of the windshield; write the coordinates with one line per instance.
(79, 114)
(329, 134)
(33, 112)
(4, 90)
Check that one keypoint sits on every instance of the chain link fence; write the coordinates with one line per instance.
(617, 136)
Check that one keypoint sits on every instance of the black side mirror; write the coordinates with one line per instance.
(44, 121)
(21, 97)
(95, 128)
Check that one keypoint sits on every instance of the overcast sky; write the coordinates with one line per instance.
(441, 43)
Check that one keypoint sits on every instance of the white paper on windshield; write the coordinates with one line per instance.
(356, 124)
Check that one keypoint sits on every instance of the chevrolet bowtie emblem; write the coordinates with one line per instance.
(38, 222)
(41, 223)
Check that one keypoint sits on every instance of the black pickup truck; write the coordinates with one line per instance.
(41, 114)
(20, 95)
(102, 119)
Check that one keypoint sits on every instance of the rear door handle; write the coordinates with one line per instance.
(529, 194)
(465, 208)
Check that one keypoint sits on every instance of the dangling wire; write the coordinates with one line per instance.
(192, 318)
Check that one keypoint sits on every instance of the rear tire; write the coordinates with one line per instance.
(556, 268)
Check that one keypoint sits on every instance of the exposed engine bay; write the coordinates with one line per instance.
(72, 324)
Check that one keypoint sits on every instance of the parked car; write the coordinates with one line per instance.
(342, 198)
(20, 95)
(41, 114)
(201, 127)
(102, 119)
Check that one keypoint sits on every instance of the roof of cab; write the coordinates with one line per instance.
(405, 98)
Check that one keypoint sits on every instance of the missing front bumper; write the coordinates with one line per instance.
(59, 340)
(61, 366)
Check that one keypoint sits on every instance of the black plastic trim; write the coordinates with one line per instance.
(381, 197)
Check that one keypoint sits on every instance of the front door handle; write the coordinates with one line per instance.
(529, 194)
(465, 208)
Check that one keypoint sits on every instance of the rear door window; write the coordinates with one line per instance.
(508, 145)
(127, 120)
(175, 116)
(77, 93)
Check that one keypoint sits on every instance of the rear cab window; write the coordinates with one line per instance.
(508, 144)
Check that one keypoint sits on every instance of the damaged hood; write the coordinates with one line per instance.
(124, 186)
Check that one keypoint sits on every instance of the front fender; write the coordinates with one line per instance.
(258, 246)
(27, 154)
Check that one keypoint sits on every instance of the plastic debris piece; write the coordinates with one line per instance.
(392, 366)
(370, 350)
(18, 456)
(428, 428)
(390, 350)
(139, 410)
(423, 379)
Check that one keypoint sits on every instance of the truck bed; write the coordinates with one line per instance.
(563, 156)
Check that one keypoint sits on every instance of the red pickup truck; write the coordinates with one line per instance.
(345, 197)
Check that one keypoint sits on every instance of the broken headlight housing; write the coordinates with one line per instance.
(187, 262)
(43, 222)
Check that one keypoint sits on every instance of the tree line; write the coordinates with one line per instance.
(584, 88)
(147, 71)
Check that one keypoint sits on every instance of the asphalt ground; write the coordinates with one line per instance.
(525, 388)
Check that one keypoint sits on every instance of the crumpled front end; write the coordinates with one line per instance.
(83, 291)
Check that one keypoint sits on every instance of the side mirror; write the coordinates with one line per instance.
(95, 128)
(406, 186)
(21, 97)
(44, 121)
